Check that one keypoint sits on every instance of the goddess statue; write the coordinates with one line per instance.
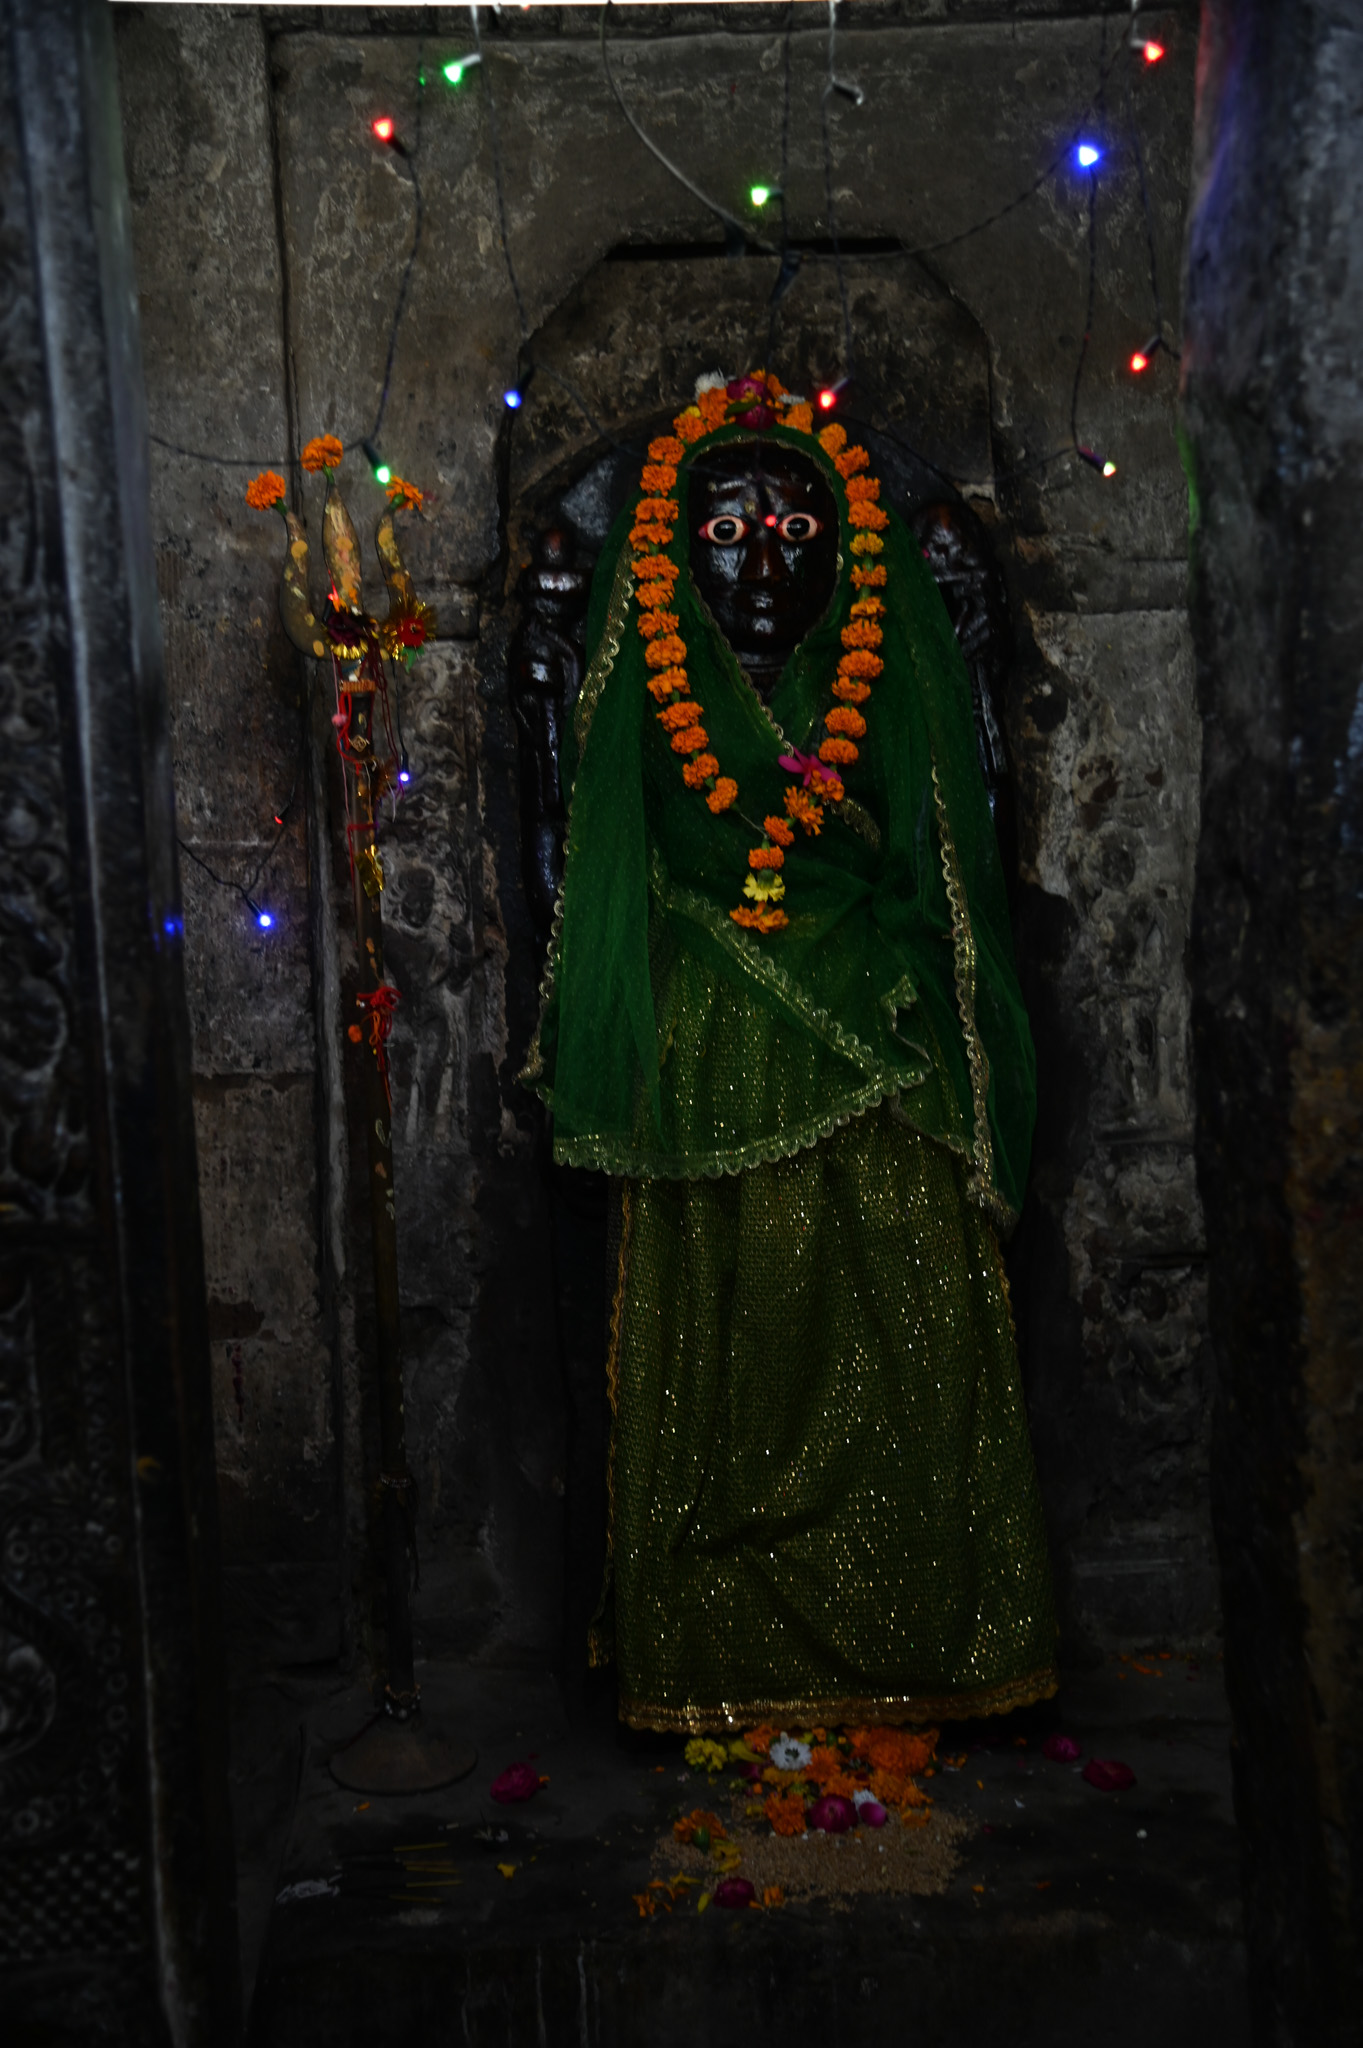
(781, 1007)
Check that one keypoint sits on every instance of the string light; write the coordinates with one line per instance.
(760, 194)
(1087, 155)
(513, 399)
(1140, 361)
(457, 66)
(1153, 52)
(384, 127)
(381, 470)
(404, 772)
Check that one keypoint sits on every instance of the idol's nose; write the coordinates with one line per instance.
(763, 561)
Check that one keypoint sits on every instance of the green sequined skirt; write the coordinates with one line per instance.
(824, 1501)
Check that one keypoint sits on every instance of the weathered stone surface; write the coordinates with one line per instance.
(1274, 415)
(968, 356)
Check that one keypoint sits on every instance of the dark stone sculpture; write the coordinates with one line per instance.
(546, 666)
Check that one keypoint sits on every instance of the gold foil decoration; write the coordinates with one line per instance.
(405, 609)
(341, 545)
(294, 607)
(371, 870)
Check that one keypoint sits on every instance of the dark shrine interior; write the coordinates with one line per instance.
(309, 1341)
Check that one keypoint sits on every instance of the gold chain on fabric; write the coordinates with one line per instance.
(600, 1650)
(734, 1715)
(981, 1184)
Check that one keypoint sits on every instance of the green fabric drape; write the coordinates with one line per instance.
(674, 1044)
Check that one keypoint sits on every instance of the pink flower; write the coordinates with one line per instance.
(1061, 1749)
(832, 1814)
(735, 1892)
(759, 415)
(871, 1813)
(810, 767)
(517, 1782)
(1108, 1775)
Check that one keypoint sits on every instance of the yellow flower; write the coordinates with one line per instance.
(704, 1755)
(866, 544)
(764, 888)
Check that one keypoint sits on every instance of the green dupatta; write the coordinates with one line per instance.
(671, 1042)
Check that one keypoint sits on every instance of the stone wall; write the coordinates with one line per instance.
(248, 135)
(1274, 415)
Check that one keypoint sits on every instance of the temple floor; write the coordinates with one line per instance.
(1072, 1914)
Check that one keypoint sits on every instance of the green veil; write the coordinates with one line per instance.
(672, 1042)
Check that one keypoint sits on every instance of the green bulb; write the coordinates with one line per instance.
(760, 194)
(454, 70)
(383, 474)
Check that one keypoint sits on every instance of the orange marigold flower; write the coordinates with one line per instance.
(850, 692)
(676, 717)
(691, 741)
(651, 595)
(774, 385)
(861, 486)
(666, 649)
(779, 830)
(760, 921)
(862, 633)
(860, 662)
(723, 794)
(868, 575)
(850, 461)
(895, 1749)
(658, 476)
(324, 452)
(868, 607)
(646, 536)
(689, 426)
(841, 751)
(713, 405)
(655, 569)
(689, 1826)
(773, 1895)
(699, 771)
(265, 490)
(766, 857)
(832, 792)
(402, 496)
(864, 513)
(801, 417)
(651, 624)
(761, 1737)
(667, 448)
(785, 1810)
(668, 682)
(842, 718)
(655, 509)
(867, 544)
(803, 809)
(833, 439)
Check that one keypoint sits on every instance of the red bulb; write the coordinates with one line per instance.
(383, 127)
(1153, 52)
(772, 519)
(827, 400)
(1140, 361)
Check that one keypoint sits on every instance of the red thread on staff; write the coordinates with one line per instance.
(380, 1003)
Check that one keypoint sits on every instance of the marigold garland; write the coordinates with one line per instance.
(756, 400)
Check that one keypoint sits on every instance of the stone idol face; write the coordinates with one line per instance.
(764, 550)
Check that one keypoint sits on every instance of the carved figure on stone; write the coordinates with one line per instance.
(781, 1010)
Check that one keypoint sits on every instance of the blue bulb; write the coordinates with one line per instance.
(264, 920)
(404, 775)
(1087, 155)
(512, 399)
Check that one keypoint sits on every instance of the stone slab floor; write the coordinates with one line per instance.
(1076, 1916)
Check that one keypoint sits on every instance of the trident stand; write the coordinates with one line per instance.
(396, 1753)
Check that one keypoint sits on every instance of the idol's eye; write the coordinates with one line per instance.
(799, 526)
(724, 529)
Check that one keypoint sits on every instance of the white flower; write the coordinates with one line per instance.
(713, 380)
(864, 1797)
(789, 1755)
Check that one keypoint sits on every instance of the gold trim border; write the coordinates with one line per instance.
(732, 1716)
